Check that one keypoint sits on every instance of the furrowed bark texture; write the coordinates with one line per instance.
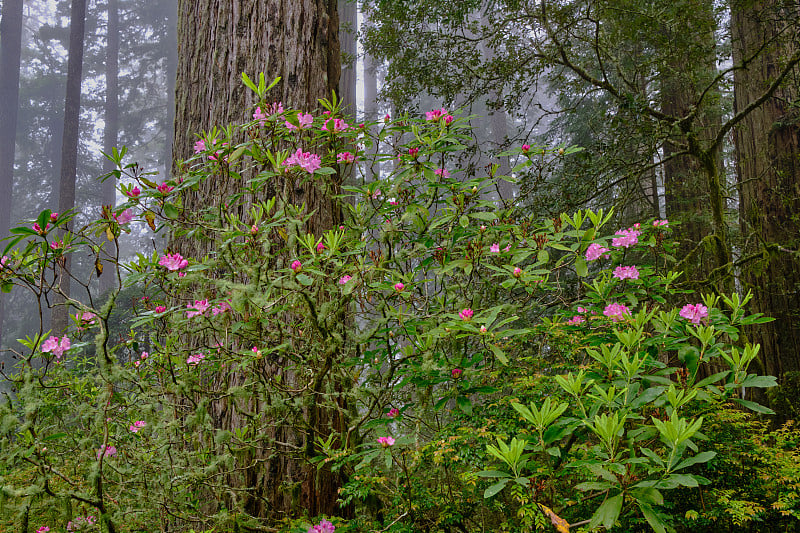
(768, 160)
(297, 40)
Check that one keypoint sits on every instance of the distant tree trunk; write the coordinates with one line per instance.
(172, 67)
(768, 164)
(348, 19)
(111, 132)
(69, 147)
(298, 41)
(10, 47)
(692, 68)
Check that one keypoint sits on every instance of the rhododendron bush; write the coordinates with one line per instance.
(455, 362)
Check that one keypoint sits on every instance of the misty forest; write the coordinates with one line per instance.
(399, 266)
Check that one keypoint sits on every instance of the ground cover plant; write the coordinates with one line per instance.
(435, 359)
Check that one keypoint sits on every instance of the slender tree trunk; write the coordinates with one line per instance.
(111, 132)
(768, 165)
(69, 147)
(10, 47)
(298, 41)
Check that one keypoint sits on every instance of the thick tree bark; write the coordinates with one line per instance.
(111, 131)
(298, 41)
(688, 74)
(348, 18)
(69, 147)
(172, 67)
(10, 47)
(768, 164)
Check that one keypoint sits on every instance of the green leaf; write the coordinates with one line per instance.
(463, 221)
(7, 287)
(759, 381)
(494, 489)
(581, 268)
(170, 211)
(464, 404)
(324, 171)
(607, 513)
(753, 406)
(493, 473)
(501, 356)
(702, 457)
(304, 280)
(651, 517)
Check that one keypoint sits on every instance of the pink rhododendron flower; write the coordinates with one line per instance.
(221, 307)
(660, 223)
(517, 272)
(413, 152)
(133, 193)
(385, 441)
(55, 346)
(124, 217)
(303, 119)
(305, 160)
(53, 217)
(88, 318)
(626, 272)
(495, 248)
(296, 265)
(164, 188)
(173, 262)
(694, 313)
(466, 314)
(399, 287)
(323, 527)
(198, 308)
(199, 146)
(338, 125)
(38, 229)
(195, 359)
(393, 412)
(442, 172)
(376, 194)
(43, 529)
(139, 424)
(106, 451)
(616, 311)
(436, 114)
(577, 319)
(272, 109)
(582, 309)
(626, 238)
(483, 329)
(595, 251)
(392, 201)
(55, 245)
(456, 373)
(160, 309)
(526, 147)
(344, 279)
(320, 247)
(345, 157)
(3, 262)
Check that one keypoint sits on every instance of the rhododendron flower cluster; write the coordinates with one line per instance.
(660, 223)
(125, 217)
(173, 262)
(345, 157)
(616, 311)
(466, 314)
(303, 119)
(339, 125)
(494, 248)
(134, 193)
(595, 252)
(385, 441)
(3, 262)
(323, 527)
(442, 172)
(221, 307)
(456, 373)
(296, 265)
(195, 359)
(626, 238)
(344, 279)
(393, 412)
(437, 114)
(78, 524)
(164, 188)
(577, 319)
(399, 287)
(106, 451)
(305, 160)
(694, 313)
(198, 308)
(199, 146)
(55, 346)
(626, 272)
(136, 426)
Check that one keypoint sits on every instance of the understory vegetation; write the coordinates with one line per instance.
(434, 358)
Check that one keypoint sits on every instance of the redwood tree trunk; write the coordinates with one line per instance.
(10, 46)
(768, 164)
(297, 40)
(69, 146)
